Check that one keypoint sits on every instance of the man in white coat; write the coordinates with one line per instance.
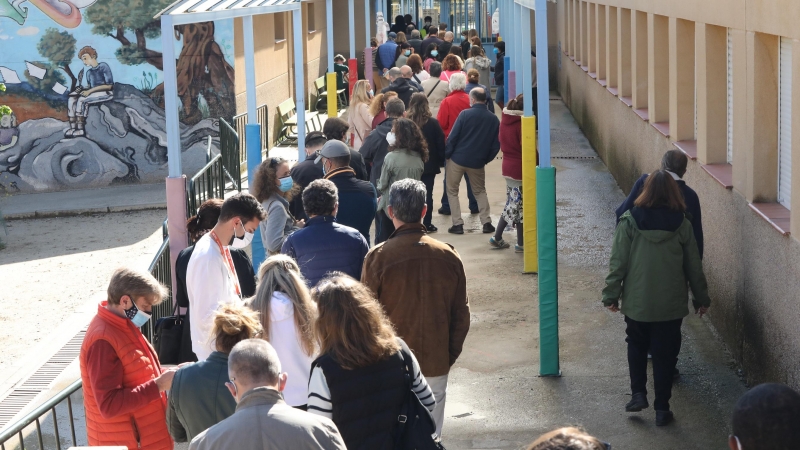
(211, 276)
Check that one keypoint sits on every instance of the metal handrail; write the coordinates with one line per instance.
(36, 414)
(162, 271)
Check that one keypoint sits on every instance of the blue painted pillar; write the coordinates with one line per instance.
(252, 133)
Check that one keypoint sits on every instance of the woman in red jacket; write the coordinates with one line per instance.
(455, 102)
(511, 146)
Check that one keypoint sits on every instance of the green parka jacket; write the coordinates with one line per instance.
(649, 269)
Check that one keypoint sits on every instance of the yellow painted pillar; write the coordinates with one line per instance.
(333, 108)
(531, 258)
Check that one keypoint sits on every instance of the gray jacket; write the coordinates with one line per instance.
(264, 421)
(278, 225)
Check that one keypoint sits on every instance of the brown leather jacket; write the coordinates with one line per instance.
(423, 288)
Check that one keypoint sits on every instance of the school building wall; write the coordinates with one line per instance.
(643, 77)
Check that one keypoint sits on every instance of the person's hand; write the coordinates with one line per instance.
(701, 311)
(614, 307)
(164, 381)
(84, 93)
(300, 223)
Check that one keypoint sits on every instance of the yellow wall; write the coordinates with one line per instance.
(273, 57)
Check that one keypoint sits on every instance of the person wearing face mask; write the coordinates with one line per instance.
(335, 129)
(274, 188)
(211, 277)
(431, 52)
(358, 200)
(304, 172)
(124, 386)
(262, 419)
(405, 52)
(408, 152)
(325, 245)
(197, 226)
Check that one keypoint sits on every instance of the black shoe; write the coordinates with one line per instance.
(474, 211)
(664, 418)
(638, 402)
(444, 212)
(488, 228)
(431, 228)
(456, 229)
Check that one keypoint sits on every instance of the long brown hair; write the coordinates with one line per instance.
(379, 102)
(266, 181)
(409, 137)
(280, 273)
(418, 110)
(661, 191)
(352, 327)
(415, 62)
(232, 324)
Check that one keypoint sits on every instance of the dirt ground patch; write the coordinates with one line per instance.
(50, 267)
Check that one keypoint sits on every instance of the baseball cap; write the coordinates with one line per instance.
(392, 34)
(333, 149)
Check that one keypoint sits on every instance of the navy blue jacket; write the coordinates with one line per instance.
(692, 207)
(324, 246)
(473, 141)
(358, 200)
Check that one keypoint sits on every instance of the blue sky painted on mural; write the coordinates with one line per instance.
(18, 44)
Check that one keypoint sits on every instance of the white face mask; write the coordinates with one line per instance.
(391, 138)
(244, 241)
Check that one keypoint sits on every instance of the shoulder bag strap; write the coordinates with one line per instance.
(428, 95)
(402, 418)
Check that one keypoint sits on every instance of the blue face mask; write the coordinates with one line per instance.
(139, 318)
(408, 52)
(286, 184)
(496, 50)
(434, 53)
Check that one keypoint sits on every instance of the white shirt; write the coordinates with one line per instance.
(209, 283)
(284, 337)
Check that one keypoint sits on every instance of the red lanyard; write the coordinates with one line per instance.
(226, 253)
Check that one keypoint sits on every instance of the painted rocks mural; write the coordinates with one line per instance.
(84, 93)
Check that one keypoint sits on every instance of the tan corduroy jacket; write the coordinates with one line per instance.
(423, 288)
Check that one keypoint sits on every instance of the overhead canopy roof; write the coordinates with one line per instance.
(192, 11)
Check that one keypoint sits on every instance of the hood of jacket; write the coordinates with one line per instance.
(280, 307)
(481, 61)
(513, 112)
(655, 224)
(402, 85)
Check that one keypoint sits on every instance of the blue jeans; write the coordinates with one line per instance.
(473, 204)
(498, 97)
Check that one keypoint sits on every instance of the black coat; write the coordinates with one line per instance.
(403, 88)
(416, 44)
(499, 68)
(473, 142)
(303, 173)
(444, 50)
(692, 207)
(358, 165)
(434, 136)
(375, 148)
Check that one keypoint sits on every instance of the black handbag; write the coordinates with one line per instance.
(416, 428)
(167, 337)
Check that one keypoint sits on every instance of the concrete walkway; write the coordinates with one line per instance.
(496, 399)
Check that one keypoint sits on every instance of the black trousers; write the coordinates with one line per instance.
(663, 340)
(429, 179)
(383, 227)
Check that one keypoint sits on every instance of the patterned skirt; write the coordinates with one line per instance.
(512, 212)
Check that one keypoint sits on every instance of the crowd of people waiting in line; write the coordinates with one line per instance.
(322, 347)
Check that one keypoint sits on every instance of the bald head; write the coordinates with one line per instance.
(477, 95)
(448, 36)
(406, 71)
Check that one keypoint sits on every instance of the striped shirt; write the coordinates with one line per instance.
(319, 394)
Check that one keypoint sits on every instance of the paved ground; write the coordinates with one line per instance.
(496, 399)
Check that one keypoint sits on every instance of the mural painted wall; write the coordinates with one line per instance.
(84, 81)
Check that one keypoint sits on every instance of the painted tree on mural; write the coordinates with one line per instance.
(201, 67)
(59, 49)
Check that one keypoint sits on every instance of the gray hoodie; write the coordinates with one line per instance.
(483, 65)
